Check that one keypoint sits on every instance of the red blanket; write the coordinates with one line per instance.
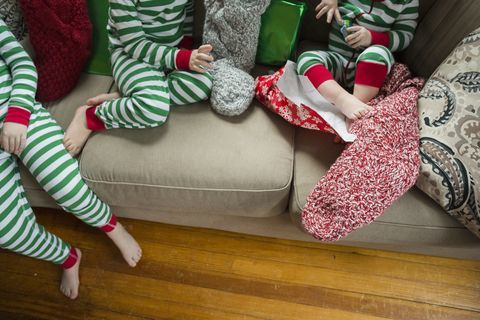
(374, 170)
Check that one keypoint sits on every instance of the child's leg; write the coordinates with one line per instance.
(189, 87)
(373, 66)
(57, 172)
(145, 103)
(325, 70)
(19, 231)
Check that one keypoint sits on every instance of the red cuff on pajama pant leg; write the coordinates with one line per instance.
(93, 122)
(371, 74)
(318, 74)
(71, 259)
(110, 226)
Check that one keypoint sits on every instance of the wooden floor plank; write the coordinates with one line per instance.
(192, 273)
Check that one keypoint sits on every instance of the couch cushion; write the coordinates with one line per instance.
(413, 218)
(196, 162)
(450, 134)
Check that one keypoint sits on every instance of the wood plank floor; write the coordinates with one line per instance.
(191, 273)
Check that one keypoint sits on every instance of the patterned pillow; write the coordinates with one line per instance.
(11, 14)
(449, 108)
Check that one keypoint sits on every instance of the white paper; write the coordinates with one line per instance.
(300, 90)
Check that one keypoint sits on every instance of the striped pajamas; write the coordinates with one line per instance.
(392, 25)
(151, 72)
(45, 157)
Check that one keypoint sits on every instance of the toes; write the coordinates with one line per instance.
(132, 263)
(73, 295)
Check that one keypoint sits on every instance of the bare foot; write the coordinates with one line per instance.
(351, 107)
(131, 251)
(77, 132)
(101, 98)
(71, 280)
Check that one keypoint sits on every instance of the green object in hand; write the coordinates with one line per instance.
(279, 32)
(99, 62)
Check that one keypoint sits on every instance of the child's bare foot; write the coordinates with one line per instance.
(131, 251)
(101, 98)
(77, 132)
(351, 107)
(71, 280)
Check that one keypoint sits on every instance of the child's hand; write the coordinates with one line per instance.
(330, 7)
(14, 137)
(358, 37)
(200, 58)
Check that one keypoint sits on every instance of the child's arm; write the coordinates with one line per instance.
(22, 96)
(401, 34)
(130, 31)
(188, 23)
(187, 41)
(24, 77)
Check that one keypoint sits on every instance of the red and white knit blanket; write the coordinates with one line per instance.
(373, 171)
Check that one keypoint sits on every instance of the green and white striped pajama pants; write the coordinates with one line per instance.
(57, 172)
(343, 68)
(149, 92)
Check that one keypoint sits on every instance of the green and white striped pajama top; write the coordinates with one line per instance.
(150, 70)
(392, 25)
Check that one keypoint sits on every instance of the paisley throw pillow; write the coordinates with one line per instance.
(449, 109)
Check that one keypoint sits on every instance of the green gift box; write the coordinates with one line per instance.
(279, 32)
(99, 62)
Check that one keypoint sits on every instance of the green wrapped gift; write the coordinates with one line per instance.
(281, 25)
(99, 62)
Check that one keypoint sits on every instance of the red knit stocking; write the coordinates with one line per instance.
(61, 34)
(374, 170)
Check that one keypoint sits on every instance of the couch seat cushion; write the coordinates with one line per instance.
(197, 162)
(411, 219)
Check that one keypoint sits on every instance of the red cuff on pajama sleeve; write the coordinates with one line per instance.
(17, 115)
(183, 59)
(381, 38)
(93, 122)
(318, 74)
(371, 74)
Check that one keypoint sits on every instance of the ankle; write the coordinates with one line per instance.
(111, 225)
(71, 259)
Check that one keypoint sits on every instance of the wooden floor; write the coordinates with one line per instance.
(190, 273)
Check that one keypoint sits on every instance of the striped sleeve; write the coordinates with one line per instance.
(24, 77)
(123, 14)
(403, 29)
(188, 23)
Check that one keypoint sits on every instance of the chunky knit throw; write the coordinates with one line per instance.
(232, 27)
(61, 35)
(374, 170)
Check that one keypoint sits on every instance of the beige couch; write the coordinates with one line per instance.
(252, 174)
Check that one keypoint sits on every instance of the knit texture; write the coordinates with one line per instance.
(61, 35)
(374, 170)
(233, 94)
(232, 27)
